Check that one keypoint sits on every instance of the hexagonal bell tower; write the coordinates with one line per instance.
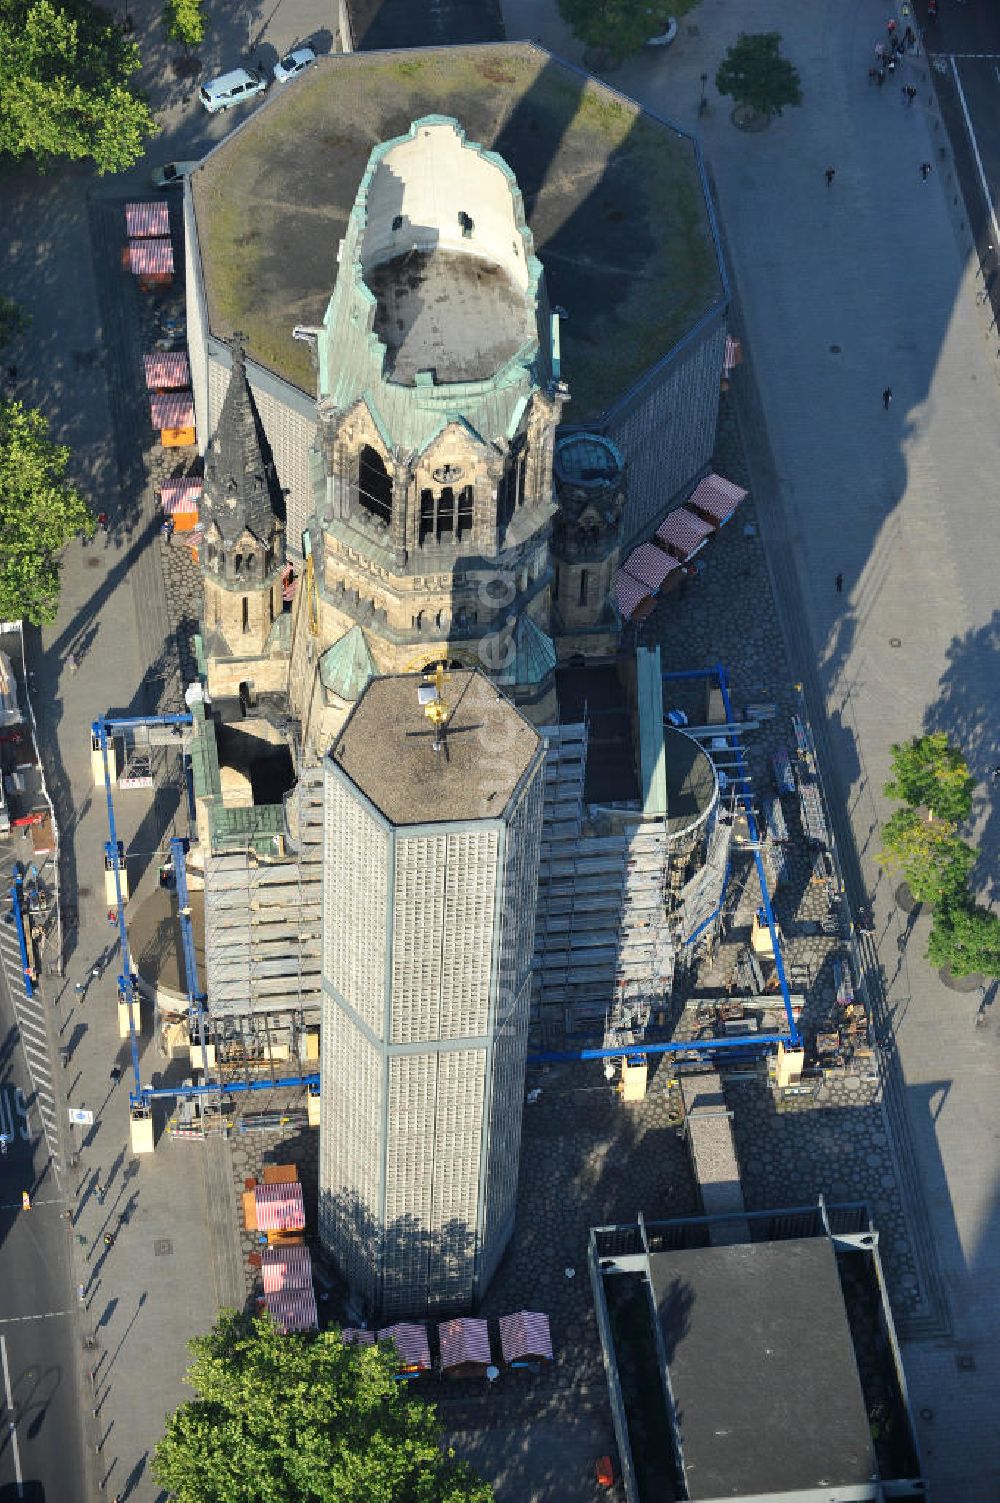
(437, 414)
(243, 550)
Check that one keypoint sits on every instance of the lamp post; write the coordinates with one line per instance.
(703, 102)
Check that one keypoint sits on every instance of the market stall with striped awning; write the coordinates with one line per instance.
(286, 1268)
(715, 499)
(411, 1344)
(629, 594)
(151, 258)
(650, 565)
(465, 1347)
(525, 1337)
(294, 1309)
(167, 370)
(146, 220)
(357, 1336)
(171, 409)
(684, 533)
(280, 1208)
(181, 495)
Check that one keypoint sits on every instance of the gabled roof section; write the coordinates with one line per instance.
(534, 655)
(241, 490)
(347, 667)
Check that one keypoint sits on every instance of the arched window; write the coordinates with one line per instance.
(238, 564)
(374, 485)
(426, 515)
(466, 498)
(251, 563)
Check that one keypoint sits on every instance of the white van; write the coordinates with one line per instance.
(231, 88)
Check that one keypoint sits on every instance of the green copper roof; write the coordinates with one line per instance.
(534, 655)
(353, 362)
(652, 756)
(347, 666)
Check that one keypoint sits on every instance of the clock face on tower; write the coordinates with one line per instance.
(448, 474)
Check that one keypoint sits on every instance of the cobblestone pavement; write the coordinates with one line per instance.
(836, 1143)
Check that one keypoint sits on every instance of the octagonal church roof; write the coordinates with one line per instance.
(614, 198)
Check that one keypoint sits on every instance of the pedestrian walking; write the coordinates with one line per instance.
(99, 1192)
(881, 77)
(116, 1074)
(887, 398)
(873, 75)
(102, 520)
(890, 26)
(880, 50)
(995, 774)
(830, 174)
(904, 91)
(838, 584)
(81, 1292)
(64, 1057)
(109, 1239)
(909, 38)
(925, 170)
(910, 93)
(891, 64)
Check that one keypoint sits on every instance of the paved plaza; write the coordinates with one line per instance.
(840, 292)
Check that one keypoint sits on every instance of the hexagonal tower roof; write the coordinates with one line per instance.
(614, 198)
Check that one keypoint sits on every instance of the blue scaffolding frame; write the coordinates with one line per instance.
(750, 1043)
(141, 1097)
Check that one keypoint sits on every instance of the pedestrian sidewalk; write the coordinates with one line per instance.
(843, 290)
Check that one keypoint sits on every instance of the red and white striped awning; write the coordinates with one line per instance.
(716, 499)
(650, 565)
(684, 533)
(144, 220)
(525, 1334)
(733, 354)
(167, 371)
(355, 1336)
(181, 495)
(629, 594)
(464, 1340)
(293, 1309)
(151, 258)
(280, 1207)
(411, 1344)
(286, 1268)
(172, 409)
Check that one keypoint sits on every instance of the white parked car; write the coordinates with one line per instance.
(293, 63)
(231, 88)
(173, 174)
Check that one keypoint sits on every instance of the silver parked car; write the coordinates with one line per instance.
(293, 63)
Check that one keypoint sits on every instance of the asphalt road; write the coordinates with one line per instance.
(41, 1444)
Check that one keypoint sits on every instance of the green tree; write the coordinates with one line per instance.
(303, 1419)
(965, 938)
(185, 21)
(620, 27)
(934, 861)
(39, 512)
(64, 71)
(754, 73)
(13, 321)
(928, 771)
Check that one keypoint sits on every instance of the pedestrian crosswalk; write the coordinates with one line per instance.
(32, 1027)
